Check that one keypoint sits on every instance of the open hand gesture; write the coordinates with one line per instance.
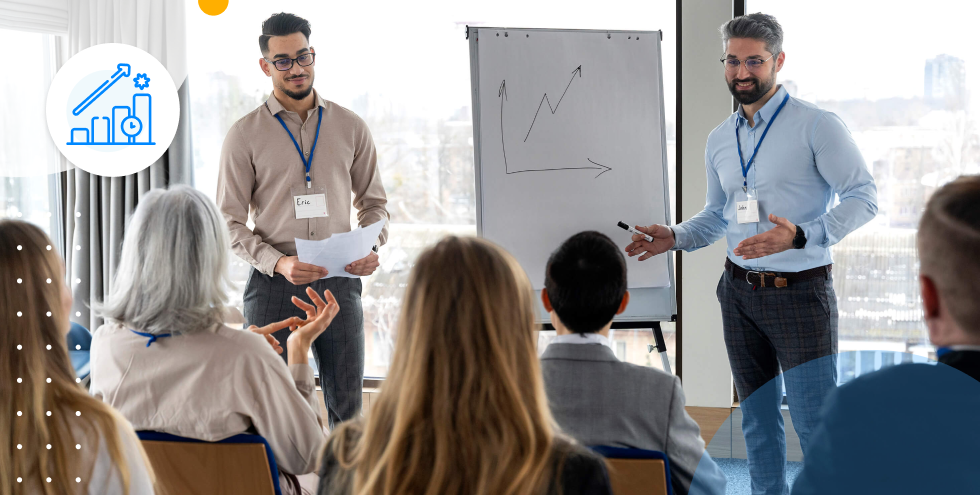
(775, 240)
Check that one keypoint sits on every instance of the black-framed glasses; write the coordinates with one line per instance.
(752, 64)
(284, 64)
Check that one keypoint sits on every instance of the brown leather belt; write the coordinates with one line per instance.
(775, 279)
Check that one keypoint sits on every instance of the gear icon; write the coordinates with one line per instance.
(141, 81)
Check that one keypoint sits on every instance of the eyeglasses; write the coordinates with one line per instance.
(752, 64)
(284, 64)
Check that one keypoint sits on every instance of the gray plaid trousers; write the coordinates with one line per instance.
(338, 351)
(768, 329)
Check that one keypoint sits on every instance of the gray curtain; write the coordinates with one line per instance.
(97, 209)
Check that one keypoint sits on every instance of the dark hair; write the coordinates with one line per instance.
(756, 26)
(586, 280)
(282, 24)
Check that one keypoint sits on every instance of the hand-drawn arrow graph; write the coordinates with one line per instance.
(544, 98)
(502, 94)
(122, 70)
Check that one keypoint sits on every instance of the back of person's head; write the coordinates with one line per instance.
(585, 280)
(463, 408)
(282, 24)
(173, 272)
(949, 249)
(37, 378)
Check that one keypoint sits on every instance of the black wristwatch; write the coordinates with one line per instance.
(799, 242)
(375, 247)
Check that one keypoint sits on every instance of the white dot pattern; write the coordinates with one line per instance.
(48, 347)
(19, 314)
(49, 314)
(48, 380)
(20, 280)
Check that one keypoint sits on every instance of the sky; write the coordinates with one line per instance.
(412, 53)
(869, 49)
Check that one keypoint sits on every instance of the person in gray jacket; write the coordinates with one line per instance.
(598, 399)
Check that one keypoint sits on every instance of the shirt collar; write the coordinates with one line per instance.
(581, 338)
(764, 113)
(275, 107)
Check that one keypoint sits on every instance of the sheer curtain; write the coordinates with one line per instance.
(95, 209)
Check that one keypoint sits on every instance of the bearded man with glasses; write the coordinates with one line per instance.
(786, 161)
(293, 163)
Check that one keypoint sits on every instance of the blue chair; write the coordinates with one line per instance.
(79, 347)
(238, 464)
(636, 471)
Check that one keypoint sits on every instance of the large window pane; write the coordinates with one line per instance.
(406, 73)
(897, 76)
(27, 154)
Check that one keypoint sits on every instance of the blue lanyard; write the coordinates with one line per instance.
(738, 142)
(306, 161)
(153, 337)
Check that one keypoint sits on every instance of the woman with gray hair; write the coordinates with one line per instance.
(167, 363)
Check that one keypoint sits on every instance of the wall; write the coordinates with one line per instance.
(705, 102)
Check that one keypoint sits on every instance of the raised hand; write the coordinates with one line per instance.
(663, 240)
(318, 317)
(271, 328)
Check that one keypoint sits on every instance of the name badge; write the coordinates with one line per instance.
(310, 206)
(747, 207)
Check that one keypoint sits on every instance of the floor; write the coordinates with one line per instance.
(737, 471)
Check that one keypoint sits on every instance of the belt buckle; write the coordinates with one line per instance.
(762, 277)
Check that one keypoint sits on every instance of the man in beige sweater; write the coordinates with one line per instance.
(298, 148)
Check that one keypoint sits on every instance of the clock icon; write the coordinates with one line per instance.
(131, 126)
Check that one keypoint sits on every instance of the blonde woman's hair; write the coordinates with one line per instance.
(32, 317)
(463, 410)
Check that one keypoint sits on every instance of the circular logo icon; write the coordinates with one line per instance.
(112, 110)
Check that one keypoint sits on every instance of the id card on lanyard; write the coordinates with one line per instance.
(308, 202)
(747, 200)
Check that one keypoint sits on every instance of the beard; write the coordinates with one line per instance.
(761, 87)
(297, 95)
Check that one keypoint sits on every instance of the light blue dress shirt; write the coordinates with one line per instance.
(807, 157)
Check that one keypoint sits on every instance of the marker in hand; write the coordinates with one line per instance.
(637, 232)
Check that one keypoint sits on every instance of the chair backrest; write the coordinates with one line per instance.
(636, 471)
(242, 464)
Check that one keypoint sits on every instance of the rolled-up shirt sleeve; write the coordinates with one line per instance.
(236, 180)
(841, 164)
(709, 225)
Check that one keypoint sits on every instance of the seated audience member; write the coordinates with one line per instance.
(595, 397)
(912, 428)
(167, 363)
(463, 409)
(55, 437)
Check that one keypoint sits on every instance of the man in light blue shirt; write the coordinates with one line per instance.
(781, 160)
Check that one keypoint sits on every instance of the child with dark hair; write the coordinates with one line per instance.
(598, 399)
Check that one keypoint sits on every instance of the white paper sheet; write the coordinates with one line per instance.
(339, 250)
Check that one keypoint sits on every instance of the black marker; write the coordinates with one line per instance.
(637, 232)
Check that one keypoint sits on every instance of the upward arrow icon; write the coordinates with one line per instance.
(122, 70)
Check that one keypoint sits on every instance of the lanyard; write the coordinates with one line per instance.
(738, 142)
(306, 161)
(153, 337)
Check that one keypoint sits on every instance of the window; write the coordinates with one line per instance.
(897, 76)
(407, 74)
(28, 157)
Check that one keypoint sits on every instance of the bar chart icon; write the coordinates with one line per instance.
(126, 126)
